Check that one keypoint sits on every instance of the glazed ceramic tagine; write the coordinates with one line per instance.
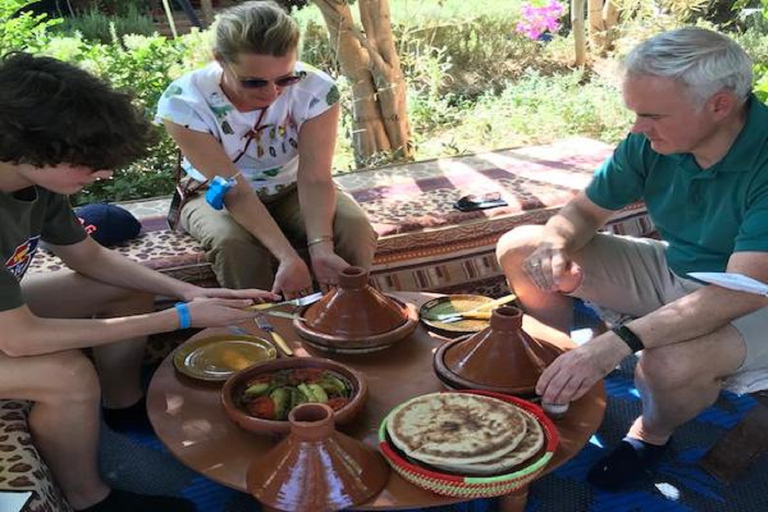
(502, 358)
(316, 468)
(355, 317)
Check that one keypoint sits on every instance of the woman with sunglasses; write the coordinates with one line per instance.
(257, 116)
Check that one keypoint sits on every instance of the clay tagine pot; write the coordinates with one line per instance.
(501, 358)
(355, 317)
(316, 468)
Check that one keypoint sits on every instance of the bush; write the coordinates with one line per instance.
(95, 25)
(25, 31)
(473, 83)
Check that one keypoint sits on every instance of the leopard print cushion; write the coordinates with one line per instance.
(173, 253)
(21, 466)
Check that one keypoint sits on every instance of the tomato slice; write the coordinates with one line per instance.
(337, 403)
(307, 375)
(262, 407)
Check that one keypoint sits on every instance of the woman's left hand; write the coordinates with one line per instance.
(326, 266)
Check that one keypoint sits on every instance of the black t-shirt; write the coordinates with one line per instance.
(26, 217)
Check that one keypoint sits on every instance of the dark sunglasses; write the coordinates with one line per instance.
(258, 83)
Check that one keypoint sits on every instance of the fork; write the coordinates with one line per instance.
(266, 326)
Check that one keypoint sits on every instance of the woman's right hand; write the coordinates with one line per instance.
(292, 279)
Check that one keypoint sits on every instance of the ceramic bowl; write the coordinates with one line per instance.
(236, 384)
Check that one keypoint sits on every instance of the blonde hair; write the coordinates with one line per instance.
(256, 27)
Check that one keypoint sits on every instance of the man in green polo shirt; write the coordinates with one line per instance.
(62, 129)
(698, 156)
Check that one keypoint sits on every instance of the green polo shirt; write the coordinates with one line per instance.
(704, 215)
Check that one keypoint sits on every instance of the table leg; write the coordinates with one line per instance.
(514, 502)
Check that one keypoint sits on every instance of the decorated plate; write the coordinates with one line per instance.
(216, 358)
(431, 311)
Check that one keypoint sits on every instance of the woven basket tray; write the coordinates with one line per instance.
(474, 486)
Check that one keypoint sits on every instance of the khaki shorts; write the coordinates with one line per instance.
(626, 278)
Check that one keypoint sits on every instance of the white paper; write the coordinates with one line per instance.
(733, 281)
(12, 501)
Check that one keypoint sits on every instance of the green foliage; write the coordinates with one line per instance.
(150, 177)
(761, 82)
(96, 25)
(25, 31)
(755, 43)
(473, 83)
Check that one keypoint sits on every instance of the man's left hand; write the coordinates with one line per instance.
(573, 374)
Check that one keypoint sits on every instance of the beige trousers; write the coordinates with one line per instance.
(626, 278)
(241, 261)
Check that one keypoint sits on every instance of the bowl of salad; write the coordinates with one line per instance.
(259, 398)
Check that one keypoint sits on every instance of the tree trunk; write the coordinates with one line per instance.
(595, 18)
(207, 8)
(579, 38)
(610, 14)
(372, 65)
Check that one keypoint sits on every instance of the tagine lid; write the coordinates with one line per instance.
(316, 467)
(501, 358)
(356, 315)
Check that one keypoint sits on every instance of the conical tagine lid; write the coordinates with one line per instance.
(501, 358)
(316, 468)
(355, 309)
(355, 314)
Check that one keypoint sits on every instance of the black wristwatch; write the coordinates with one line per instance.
(634, 343)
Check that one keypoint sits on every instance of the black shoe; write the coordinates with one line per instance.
(631, 462)
(124, 501)
(133, 418)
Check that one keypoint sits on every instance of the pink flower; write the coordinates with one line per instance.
(537, 19)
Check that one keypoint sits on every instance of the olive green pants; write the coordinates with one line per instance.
(241, 261)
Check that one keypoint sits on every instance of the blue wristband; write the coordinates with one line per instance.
(185, 319)
(217, 189)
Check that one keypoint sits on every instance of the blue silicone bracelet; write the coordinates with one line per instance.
(185, 319)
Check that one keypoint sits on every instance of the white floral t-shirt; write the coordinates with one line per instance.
(271, 161)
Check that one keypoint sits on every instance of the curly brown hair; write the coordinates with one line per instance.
(52, 112)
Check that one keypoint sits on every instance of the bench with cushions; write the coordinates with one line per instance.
(425, 243)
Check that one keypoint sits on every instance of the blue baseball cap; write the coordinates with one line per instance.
(108, 224)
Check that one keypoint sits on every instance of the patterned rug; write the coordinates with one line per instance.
(138, 461)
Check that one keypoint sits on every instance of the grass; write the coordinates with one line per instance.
(426, 12)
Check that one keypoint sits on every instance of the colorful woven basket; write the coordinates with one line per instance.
(473, 486)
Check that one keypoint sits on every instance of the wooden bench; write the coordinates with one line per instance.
(424, 242)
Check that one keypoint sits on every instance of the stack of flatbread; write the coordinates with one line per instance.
(464, 433)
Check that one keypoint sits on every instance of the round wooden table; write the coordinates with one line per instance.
(188, 417)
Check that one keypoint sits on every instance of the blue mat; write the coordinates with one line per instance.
(138, 461)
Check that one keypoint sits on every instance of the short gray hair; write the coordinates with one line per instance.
(256, 27)
(703, 60)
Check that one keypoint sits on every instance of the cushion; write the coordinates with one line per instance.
(425, 243)
(21, 467)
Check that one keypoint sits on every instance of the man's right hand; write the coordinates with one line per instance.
(551, 269)
(292, 279)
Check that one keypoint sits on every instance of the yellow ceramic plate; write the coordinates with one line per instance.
(453, 304)
(217, 357)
